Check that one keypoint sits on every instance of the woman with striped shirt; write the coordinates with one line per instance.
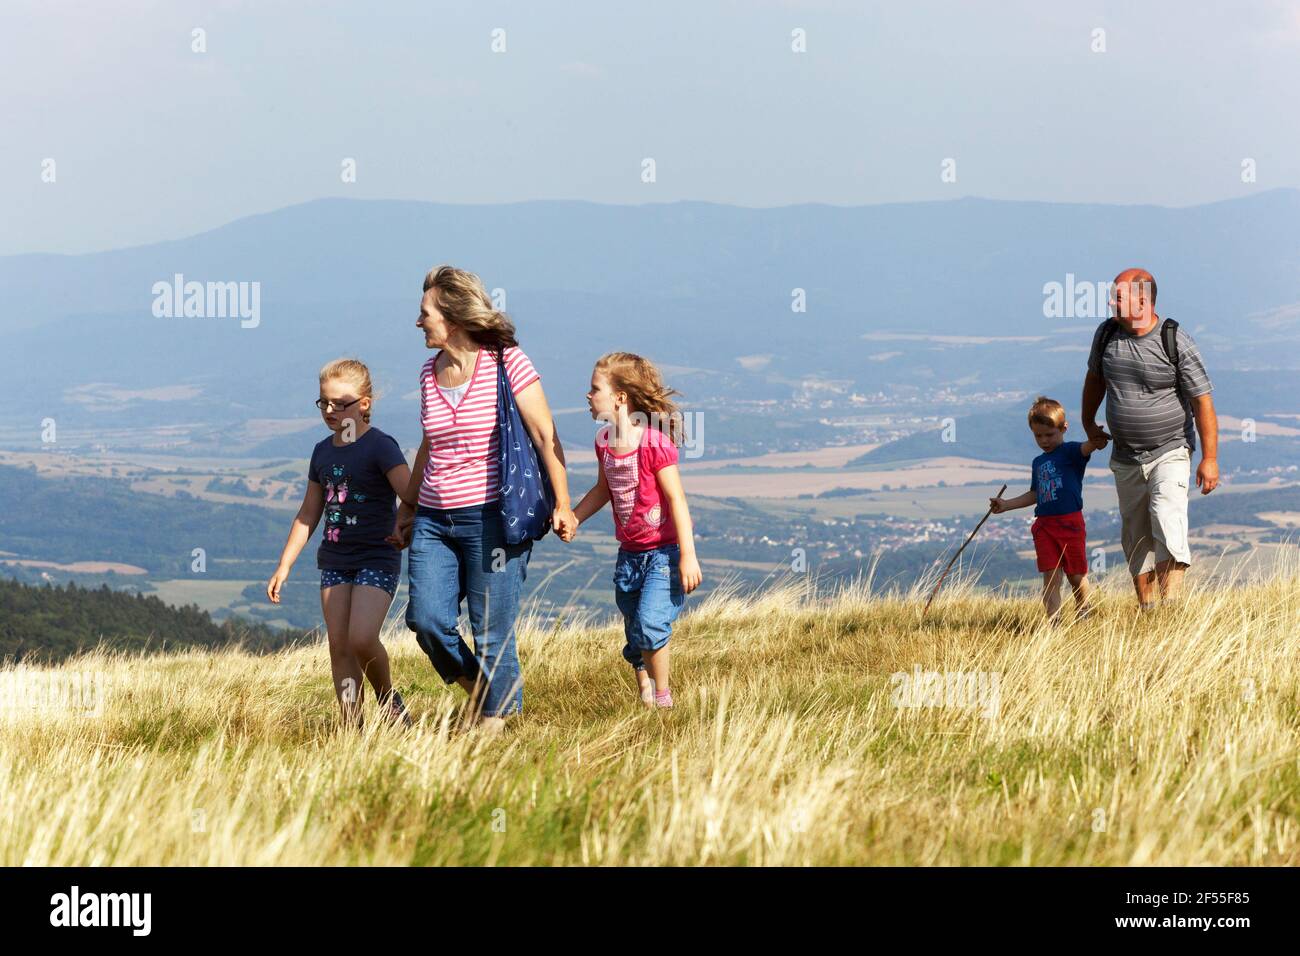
(450, 514)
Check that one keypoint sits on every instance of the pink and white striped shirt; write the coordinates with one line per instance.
(643, 517)
(462, 467)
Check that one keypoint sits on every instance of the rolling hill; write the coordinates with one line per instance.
(835, 731)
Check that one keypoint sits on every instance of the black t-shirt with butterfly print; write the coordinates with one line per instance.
(360, 504)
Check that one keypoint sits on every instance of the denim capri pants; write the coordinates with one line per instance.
(648, 591)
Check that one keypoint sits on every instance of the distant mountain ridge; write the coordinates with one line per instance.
(340, 250)
(704, 289)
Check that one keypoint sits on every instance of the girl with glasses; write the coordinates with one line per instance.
(353, 482)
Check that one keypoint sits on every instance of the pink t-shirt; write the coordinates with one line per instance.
(462, 468)
(642, 515)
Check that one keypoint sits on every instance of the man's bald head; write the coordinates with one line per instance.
(1134, 298)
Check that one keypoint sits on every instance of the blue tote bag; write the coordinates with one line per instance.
(526, 496)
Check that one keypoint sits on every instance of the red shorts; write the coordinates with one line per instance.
(1060, 541)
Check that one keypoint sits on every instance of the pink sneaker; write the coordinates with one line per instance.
(664, 699)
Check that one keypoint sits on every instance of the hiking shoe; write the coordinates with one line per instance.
(394, 710)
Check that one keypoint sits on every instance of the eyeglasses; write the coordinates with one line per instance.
(329, 405)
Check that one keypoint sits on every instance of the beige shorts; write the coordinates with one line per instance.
(1153, 510)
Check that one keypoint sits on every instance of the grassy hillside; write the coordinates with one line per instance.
(1167, 739)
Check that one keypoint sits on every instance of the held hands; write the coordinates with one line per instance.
(401, 535)
(1097, 434)
(565, 523)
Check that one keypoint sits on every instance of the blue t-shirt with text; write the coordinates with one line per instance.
(360, 504)
(1058, 479)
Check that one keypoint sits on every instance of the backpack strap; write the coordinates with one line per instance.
(1169, 339)
(1108, 330)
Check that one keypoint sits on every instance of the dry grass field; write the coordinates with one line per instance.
(1171, 738)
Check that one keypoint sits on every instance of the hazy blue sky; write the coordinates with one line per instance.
(154, 141)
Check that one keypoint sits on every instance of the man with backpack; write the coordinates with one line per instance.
(1155, 384)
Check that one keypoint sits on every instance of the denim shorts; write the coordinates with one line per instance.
(648, 591)
(384, 580)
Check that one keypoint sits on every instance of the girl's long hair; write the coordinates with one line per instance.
(646, 391)
(464, 302)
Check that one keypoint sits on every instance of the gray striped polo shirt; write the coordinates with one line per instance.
(1144, 413)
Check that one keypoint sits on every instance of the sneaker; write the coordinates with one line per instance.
(394, 710)
(664, 700)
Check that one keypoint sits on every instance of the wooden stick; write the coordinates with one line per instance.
(958, 554)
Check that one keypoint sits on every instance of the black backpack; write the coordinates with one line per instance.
(1168, 339)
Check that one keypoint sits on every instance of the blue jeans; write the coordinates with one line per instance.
(462, 552)
(648, 591)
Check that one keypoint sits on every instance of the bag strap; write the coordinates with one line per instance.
(1108, 330)
(500, 355)
(1169, 339)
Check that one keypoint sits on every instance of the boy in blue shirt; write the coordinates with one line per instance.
(1056, 488)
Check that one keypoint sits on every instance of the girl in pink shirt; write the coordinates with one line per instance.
(637, 454)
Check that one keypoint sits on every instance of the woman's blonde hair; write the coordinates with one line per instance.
(464, 302)
(646, 391)
(1046, 411)
(353, 372)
